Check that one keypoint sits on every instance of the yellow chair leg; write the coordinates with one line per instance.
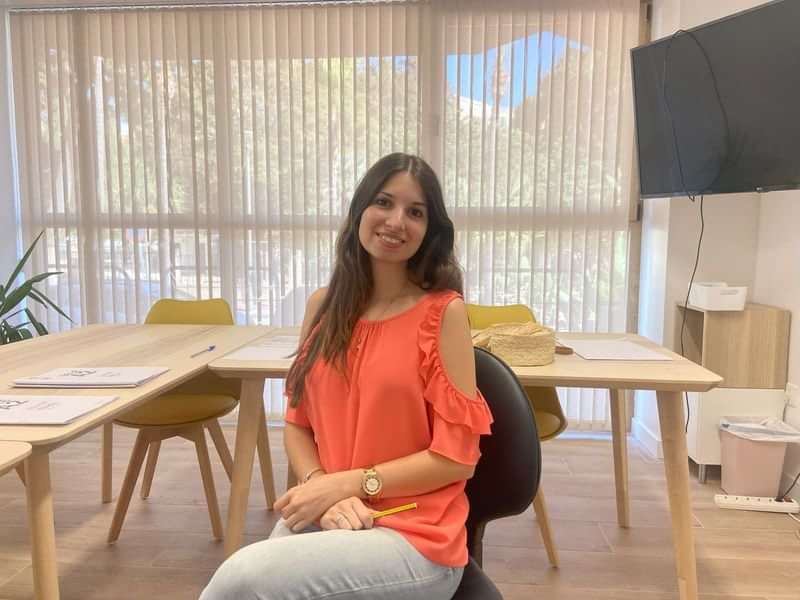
(544, 526)
(221, 445)
(150, 468)
(131, 475)
(199, 437)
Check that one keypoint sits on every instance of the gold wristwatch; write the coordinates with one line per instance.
(371, 483)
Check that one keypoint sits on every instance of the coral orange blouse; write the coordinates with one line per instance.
(399, 400)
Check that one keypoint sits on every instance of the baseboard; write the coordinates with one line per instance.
(648, 439)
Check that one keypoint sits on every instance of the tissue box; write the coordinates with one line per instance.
(717, 295)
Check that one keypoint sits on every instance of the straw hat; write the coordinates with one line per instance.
(519, 344)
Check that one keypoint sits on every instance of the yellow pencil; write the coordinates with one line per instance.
(396, 509)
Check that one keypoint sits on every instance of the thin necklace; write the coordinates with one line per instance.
(388, 306)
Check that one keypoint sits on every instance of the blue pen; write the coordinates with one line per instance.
(209, 349)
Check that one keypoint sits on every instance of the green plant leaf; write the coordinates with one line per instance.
(39, 296)
(40, 329)
(18, 269)
(2, 293)
(15, 297)
(11, 334)
(43, 276)
(24, 334)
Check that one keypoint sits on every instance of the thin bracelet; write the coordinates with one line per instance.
(310, 473)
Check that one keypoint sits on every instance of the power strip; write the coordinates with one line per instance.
(756, 503)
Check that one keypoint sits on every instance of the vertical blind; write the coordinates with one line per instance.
(537, 157)
(212, 151)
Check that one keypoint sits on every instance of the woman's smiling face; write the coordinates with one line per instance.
(393, 226)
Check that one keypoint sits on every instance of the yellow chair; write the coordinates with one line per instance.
(184, 412)
(550, 418)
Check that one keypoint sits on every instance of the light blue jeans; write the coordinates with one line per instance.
(369, 563)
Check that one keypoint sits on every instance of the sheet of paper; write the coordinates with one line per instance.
(91, 377)
(48, 410)
(280, 347)
(616, 349)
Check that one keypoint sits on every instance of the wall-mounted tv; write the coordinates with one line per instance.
(718, 106)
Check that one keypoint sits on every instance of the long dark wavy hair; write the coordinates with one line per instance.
(433, 267)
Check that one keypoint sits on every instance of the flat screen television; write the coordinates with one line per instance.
(718, 106)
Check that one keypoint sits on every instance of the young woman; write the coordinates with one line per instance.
(383, 412)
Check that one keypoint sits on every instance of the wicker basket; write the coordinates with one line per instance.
(519, 344)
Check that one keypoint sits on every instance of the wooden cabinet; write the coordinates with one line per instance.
(750, 350)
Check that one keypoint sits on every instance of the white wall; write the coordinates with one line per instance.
(778, 282)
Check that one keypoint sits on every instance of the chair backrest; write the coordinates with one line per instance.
(197, 312)
(190, 312)
(507, 475)
(481, 316)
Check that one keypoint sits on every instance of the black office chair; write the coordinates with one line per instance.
(507, 475)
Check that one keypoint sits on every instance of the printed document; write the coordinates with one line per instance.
(48, 410)
(92, 377)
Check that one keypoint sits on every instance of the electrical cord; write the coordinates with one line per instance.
(692, 196)
(686, 303)
(782, 497)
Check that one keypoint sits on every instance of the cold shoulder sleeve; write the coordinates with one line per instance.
(297, 415)
(457, 420)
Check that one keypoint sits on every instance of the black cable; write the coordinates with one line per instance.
(693, 197)
(686, 302)
(782, 497)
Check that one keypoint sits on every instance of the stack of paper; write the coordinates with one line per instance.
(613, 349)
(91, 377)
(48, 410)
(279, 347)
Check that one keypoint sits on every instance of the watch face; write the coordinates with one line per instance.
(372, 485)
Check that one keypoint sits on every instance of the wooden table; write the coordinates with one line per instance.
(98, 345)
(669, 379)
(12, 454)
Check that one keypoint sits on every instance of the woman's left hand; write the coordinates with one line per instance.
(306, 503)
(350, 513)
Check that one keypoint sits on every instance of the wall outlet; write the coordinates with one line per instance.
(792, 395)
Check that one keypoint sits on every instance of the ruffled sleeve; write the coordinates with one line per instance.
(458, 421)
(297, 415)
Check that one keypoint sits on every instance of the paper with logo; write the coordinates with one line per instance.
(92, 377)
(48, 410)
(279, 347)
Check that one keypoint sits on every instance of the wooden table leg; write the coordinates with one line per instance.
(265, 461)
(42, 526)
(105, 476)
(671, 418)
(619, 428)
(250, 415)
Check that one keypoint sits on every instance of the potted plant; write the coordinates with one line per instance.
(10, 299)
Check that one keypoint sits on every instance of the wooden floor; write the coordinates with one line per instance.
(166, 550)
